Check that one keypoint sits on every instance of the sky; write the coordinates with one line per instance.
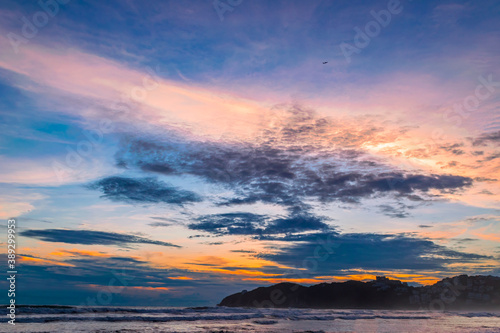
(172, 153)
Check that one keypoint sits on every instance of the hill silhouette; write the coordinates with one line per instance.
(457, 293)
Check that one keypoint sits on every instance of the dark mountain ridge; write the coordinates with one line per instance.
(457, 293)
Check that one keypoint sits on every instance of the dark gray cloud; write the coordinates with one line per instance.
(231, 224)
(159, 218)
(142, 190)
(243, 251)
(302, 158)
(90, 237)
(296, 224)
(491, 157)
(286, 175)
(486, 192)
(336, 252)
(397, 211)
(454, 148)
(255, 225)
(160, 224)
(485, 138)
(465, 240)
(164, 222)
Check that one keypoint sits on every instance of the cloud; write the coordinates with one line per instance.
(243, 251)
(303, 156)
(76, 252)
(160, 224)
(253, 224)
(336, 252)
(485, 138)
(447, 14)
(454, 148)
(57, 71)
(492, 157)
(164, 222)
(80, 279)
(143, 190)
(90, 237)
(231, 224)
(297, 223)
(397, 212)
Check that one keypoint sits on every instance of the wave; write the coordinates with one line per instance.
(44, 319)
(479, 314)
(57, 309)
(60, 309)
(43, 314)
(37, 314)
(264, 319)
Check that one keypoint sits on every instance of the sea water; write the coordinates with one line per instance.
(222, 319)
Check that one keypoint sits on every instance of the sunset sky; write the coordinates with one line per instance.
(195, 150)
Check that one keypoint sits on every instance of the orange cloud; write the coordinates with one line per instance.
(148, 288)
(97, 286)
(359, 277)
(212, 260)
(273, 280)
(489, 237)
(76, 252)
(43, 261)
(425, 278)
(240, 272)
(443, 234)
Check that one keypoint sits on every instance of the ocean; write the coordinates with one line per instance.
(225, 320)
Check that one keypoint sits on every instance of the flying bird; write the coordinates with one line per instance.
(325, 62)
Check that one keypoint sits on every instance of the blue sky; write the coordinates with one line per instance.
(198, 156)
